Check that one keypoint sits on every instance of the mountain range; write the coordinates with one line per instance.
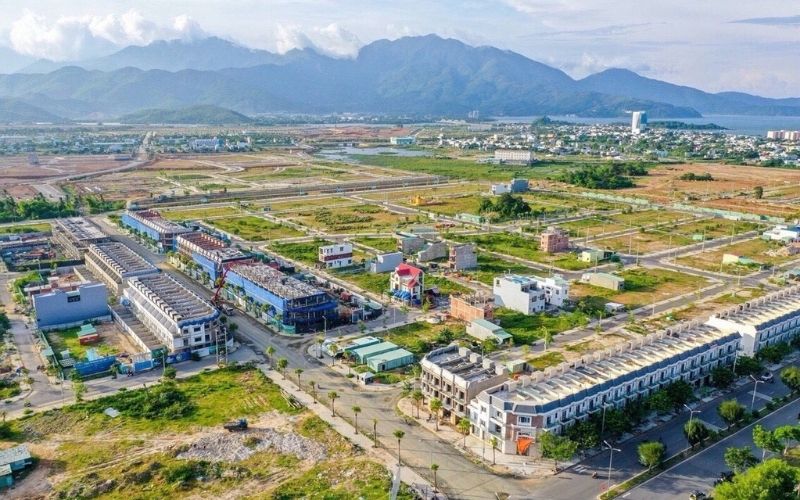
(413, 76)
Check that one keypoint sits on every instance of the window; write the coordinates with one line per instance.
(197, 340)
(524, 420)
(74, 298)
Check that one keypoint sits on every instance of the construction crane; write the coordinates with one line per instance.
(221, 340)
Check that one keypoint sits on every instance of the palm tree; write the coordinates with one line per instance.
(494, 442)
(434, 468)
(320, 341)
(547, 337)
(418, 399)
(313, 386)
(356, 411)
(270, 351)
(332, 396)
(463, 427)
(298, 372)
(398, 434)
(375, 431)
(435, 405)
(334, 350)
(282, 364)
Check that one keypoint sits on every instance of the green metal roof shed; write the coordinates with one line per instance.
(362, 354)
(390, 360)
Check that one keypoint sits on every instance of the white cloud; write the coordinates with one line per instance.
(332, 40)
(77, 37)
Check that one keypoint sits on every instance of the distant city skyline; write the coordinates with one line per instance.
(714, 45)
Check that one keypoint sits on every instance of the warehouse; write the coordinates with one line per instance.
(113, 262)
(151, 225)
(386, 361)
(293, 305)
(72, 306)
(177, 316)
(208, 252)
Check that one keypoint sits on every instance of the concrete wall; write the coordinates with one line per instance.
(60, 308)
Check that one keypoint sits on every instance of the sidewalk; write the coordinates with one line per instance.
(407, 475)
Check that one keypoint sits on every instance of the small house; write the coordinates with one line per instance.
(13, 460)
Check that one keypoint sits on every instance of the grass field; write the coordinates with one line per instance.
(26, 228)
(757, 249)
(353, 219)
(379, 244)
(252, 228)
(445, 286)
(450, 205)
(523, 248)
(85, 454)
(304, 203)
(63, 340)
(420, 337)
(490, 266)
(375, 283)
(547, 360)
(199, 213)
(642, 286)
(306, 252)
(644, 241)
(528, 328)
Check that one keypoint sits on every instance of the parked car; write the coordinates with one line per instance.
(767, 377)
(697, 495)
(724, 477)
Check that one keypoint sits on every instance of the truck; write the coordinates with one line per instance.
(236, 425)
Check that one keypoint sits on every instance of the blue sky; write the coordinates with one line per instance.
(710, 44)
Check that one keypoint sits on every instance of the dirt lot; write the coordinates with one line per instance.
(17, 169)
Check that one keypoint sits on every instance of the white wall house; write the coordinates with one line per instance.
(530, 294)
(782, 233)
(337, 255)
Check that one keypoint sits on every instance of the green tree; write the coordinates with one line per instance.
(651, 453)
(766, 440)
(270, 352)
(494, 442)
(791, 377)
(434, 469)
(771, 480)
(739, 459)
(556, 448)
(731, 411)
(282, 364)
(787, 434)
(356, 411)
(170, 373)
(661, 402)
(758, 192)
(417, 397)
(680, 393)
(746, 365)
(464, 426)
(298, 372)
(722, 377)
(333, 396)
(435, 405)
(695, 431)
(398, 435)
(547, 337)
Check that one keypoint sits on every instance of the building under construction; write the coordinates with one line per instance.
(113, 263)
(178, 317)
(208, 252)
(75, 234)
(152, 225)
(296, 305)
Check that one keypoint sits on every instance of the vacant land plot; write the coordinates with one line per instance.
(306, 252)
(444, 285)
(200, 213)
(523, 248)
(253, 228)
(449, 205)
(490, 266)
(305, 203)
(644, 241)
(371, 282)
(380, 244)
(547, 360)
(420, 337)
(357, 219)
(168, 443)
(112, 341)
(642, 286)
(25, 228)
(403, 196)
(760, 251)
(528, 328)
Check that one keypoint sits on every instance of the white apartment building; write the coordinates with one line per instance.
(113, 263)
(784, 234)
(530, 294)
(455, 375)
(767, 320)
(177, 316)
(638, 122)
(522, 156)
(517, 411)
(337, 255)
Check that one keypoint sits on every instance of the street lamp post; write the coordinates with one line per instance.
(691, 412)
(755, 385)
(611, 451)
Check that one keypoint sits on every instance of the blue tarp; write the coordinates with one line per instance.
(96, 366)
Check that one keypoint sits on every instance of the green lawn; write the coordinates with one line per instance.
(9, 389)
(528, 328)
(199, 213)
(372, 282)
(305, 251)
(62, 340)
(380, 244)
(643, 286)
(26, 228)
(420, 337)
(445, 285)
(523, 248)
(490, 266)
(253, 228)
(547, 360)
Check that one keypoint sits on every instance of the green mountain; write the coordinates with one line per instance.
(203, 113)
(17, 111)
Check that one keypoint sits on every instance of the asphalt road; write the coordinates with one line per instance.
(700, 471)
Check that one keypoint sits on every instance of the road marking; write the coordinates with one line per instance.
(764, 397)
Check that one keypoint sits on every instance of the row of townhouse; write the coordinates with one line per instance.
(210, 253)
(113, 263)
(765, 321)
(150, 223)
(515, 412)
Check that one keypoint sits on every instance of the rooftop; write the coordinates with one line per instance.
(172, 297)
(398, 353)
(365, 351)
(80, 229)
(214, 246)
(461, 363)
(763, 310)
(547, 391)
(159, 222)
(15, 454)
(276, 282)
(122, 258)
